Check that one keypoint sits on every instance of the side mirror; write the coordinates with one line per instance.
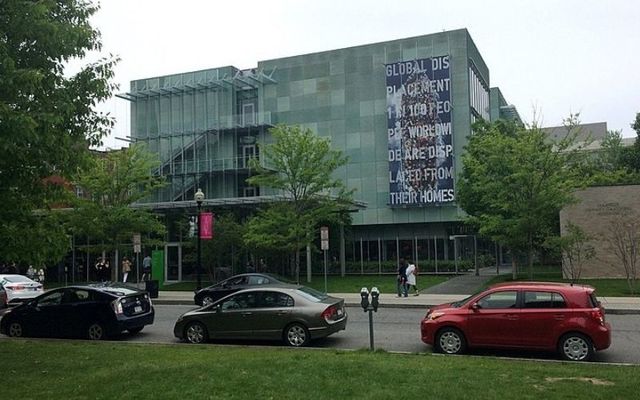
(475, 306)
(218, 308)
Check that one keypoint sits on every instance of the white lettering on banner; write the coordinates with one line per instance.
(437, 129)
(424, 196)
(424, 174)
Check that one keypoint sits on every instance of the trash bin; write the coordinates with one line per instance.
(152, 287)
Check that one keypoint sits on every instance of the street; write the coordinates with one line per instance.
(397, 329)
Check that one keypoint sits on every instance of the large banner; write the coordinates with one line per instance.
(419, 129)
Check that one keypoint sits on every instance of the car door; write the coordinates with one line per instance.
(76, 311)
(42, 316)
(494, 320)
(235, 316)
(543, 312)
(272, 315)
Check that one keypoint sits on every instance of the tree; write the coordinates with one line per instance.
(114, 181)
(300, 167)
(47, 119)
(516, 179)
(624, 242)
(225, 247)
(631, 155)
(574, 248)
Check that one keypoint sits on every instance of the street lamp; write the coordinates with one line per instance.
(199, 198)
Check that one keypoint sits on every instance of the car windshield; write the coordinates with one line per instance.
(459, 303)
(16, 279)
(311, 294)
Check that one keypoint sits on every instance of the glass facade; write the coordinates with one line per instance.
(206, 125)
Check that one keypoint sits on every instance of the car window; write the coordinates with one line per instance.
(558, 301)
(311, 294)
(241, 280)
(258, 280)
(240, 301)
(76, 296)
(52, 299)
(533, 299)
(496, 300)
(276, 299)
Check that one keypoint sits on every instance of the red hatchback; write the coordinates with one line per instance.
(526, 315)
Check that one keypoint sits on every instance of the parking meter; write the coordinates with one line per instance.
(364, 302)
(375, 294)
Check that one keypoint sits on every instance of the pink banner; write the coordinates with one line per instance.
(206, 225)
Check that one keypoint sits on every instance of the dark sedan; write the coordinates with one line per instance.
(210, 294)
(91, 312)
(291, 313)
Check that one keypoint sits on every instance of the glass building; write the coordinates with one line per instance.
(400, 110)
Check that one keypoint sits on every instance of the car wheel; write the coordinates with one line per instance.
(15, 329)
(95, 331)
(134, 331)
(207, 300)
(450, 341)
(196, 333)
(576, 347)
(296, 335)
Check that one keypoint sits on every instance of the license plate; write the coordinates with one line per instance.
(137, 309)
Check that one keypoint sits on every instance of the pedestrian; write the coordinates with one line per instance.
(41, 275)
(250, 267)
(31, 272)
(126, 268)
(99, 267)
(412, 273)
(106, 272)
(402, 278)
(146, 268)
(13, 268)
(262, 266)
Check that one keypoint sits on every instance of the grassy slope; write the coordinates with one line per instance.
(82, 370)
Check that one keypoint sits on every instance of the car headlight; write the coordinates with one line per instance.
(435, 315)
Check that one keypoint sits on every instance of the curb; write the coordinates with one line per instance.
(391, 305)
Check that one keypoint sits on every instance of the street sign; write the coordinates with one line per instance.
(324, 238)
(137, 248)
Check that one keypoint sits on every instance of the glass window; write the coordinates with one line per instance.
(241, 301)
(537, 300)
(311, 294)
(52, 299)
(258, 280)
(497, 300)
(276, 299)
(558, 301)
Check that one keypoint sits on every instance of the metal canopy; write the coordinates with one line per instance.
(242, 80)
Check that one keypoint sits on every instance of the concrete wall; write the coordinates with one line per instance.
(596, 212)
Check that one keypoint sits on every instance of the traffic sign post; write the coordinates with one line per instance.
(324, 245)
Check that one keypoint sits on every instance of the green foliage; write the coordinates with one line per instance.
(574, 248)
(300, 170)
(47, 118)
(113, 182)
(515, 180)
(225, 246)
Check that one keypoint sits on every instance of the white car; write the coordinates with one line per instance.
(18, 288)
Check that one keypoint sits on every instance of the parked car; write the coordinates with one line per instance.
(18, 288)
(210, 294)
(291, 313)
(558, 317)
(92, 312)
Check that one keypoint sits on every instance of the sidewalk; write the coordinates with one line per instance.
(612, 305)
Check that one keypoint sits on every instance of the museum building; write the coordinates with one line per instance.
(400, 110)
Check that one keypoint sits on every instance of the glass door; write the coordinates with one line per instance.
(173, 262)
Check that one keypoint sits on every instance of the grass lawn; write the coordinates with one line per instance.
(337, 284)
(604, 287)
(82, 370)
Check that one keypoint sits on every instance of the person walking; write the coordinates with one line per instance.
(146, 268)
(126, 268)
(402, 278)
(99, 267)
(412, 273)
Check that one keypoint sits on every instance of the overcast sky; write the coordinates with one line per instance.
(555, 57)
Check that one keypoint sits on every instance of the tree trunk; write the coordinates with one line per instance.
(514, 267)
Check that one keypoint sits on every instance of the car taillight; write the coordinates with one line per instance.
(330, 313)
(598, 315)
(15, 287)
(117, 307)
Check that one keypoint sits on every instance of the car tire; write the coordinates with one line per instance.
(576, 347)
(296, 335)
(450, 341)
(196, 333)
(15, 329)
(135, 331)
(96, 331)
(207, 300)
